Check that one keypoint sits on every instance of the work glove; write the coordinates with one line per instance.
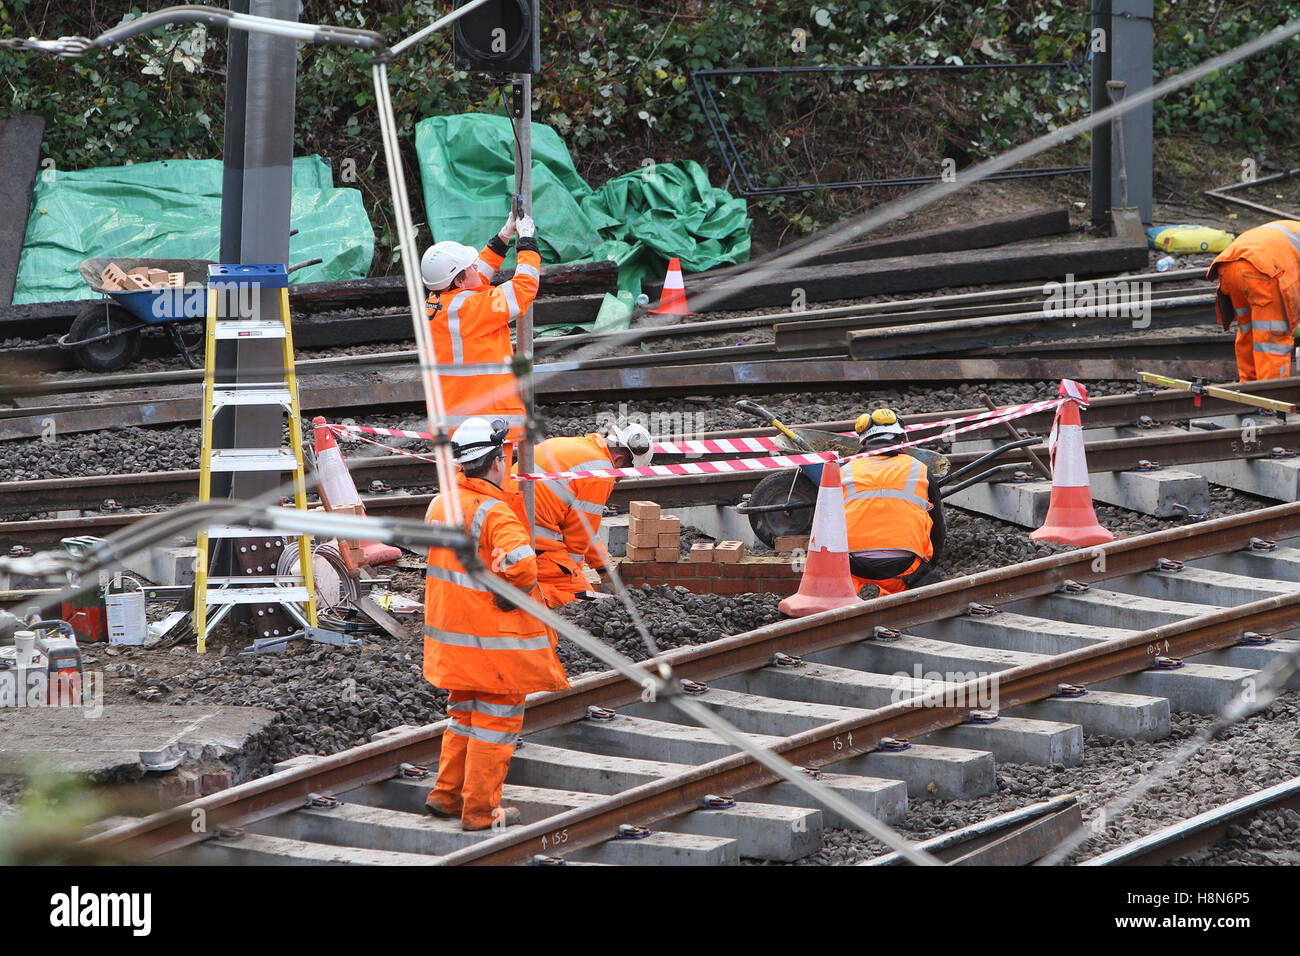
(527, 228)
(508, 229)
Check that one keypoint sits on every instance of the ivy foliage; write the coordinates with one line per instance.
(615, 84)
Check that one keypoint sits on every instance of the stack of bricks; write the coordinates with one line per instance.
(114, 279)
(651, 536)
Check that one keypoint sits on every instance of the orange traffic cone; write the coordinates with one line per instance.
(1070, 517)
(673, 300)
(338, 493)
(826, 582)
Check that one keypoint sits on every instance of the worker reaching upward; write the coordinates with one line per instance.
(1259, 286)
(469, 319)
(488, 654)
(892, 510)
(569, 511)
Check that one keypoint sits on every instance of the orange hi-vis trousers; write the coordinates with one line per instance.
(476, 752)
(1265, 341)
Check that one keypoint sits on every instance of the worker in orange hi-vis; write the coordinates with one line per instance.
(893, 512)
(1259, 287)
(469, 322)
(488, 654)
(569, 511)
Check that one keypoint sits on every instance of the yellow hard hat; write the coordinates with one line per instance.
(881, 426)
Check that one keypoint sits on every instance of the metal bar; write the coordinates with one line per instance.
(434, 27)
(1017, 435)
(977, 831)
(1201, 830)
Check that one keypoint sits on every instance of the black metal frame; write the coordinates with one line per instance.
(731, 153)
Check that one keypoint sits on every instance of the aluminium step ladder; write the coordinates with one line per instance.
(296, 593)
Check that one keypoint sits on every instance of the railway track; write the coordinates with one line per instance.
(1189, 447)
(887, 702)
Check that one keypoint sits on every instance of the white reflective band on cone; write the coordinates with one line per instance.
(829, 530)
(1071, 467)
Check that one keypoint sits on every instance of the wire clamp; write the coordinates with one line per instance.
(786, 660)
(894, 744)
(412, 771)
(627, 831)
(1255, 639)
(1166, 664)
(714, 802)
(693, 688)
(1070, 690)
(600, 713)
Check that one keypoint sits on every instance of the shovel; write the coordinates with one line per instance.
(1126, 220)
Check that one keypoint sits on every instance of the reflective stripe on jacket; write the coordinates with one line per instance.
(469, 642)
(1273, 249)
(565, 510)
(471, 340)
(887, 505)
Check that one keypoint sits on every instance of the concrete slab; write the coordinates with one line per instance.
(254, 849)
(662, 848)
(1022, 503)
(164, 567)
(1194, 585)
(959, 772)
(631, 736)
(408, 796)
(1098, 606)
(1280, 564)
(1278, 478)
(1012, 739)
(1166, 493)
(1195, 687)
(372, 828)
(536, 764)
(106, 742)
(762, 831)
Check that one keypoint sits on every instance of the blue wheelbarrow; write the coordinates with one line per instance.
(107, 332)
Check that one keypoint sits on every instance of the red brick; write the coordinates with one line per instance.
(640, 539)
(667, 555)
(640, 554)
(670, 539)
(661, 568)
(708, 570)
(790, 542)
(734, 570)
(701, 551)
(670, 524)
(684, 569)
(213, 782)
(730, 587)
(728, 552)
(642, 510)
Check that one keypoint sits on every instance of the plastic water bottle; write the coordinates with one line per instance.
(1165, 264)
(643, 299)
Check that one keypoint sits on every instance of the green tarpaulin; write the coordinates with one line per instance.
(640, 219)
(172, 209)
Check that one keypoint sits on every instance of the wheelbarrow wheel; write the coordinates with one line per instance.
(106, 354)
(776, 489)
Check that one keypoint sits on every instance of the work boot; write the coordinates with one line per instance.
(437, 811)
(502, 817)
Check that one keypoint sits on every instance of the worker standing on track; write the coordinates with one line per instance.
(892, 510)
(569, 511)
(488, 654)
(1259, 286)
(469, 320)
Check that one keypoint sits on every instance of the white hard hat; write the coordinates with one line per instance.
(477, 437)
(635, 439)
(443, 261)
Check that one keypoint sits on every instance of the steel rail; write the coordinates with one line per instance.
(379, 760)
(1121, 454)
(1201, 830)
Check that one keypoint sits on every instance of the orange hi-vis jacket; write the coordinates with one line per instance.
(1259, 287)
(887, 504)
(471, 339)
(469, 642)
(568, 512)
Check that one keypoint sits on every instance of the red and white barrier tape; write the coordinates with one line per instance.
(716, 446)
(783, 461)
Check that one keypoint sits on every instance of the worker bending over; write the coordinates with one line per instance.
(488, 654)
(568, 511)
(1259, 286)
(892, 510)
(469, 321)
